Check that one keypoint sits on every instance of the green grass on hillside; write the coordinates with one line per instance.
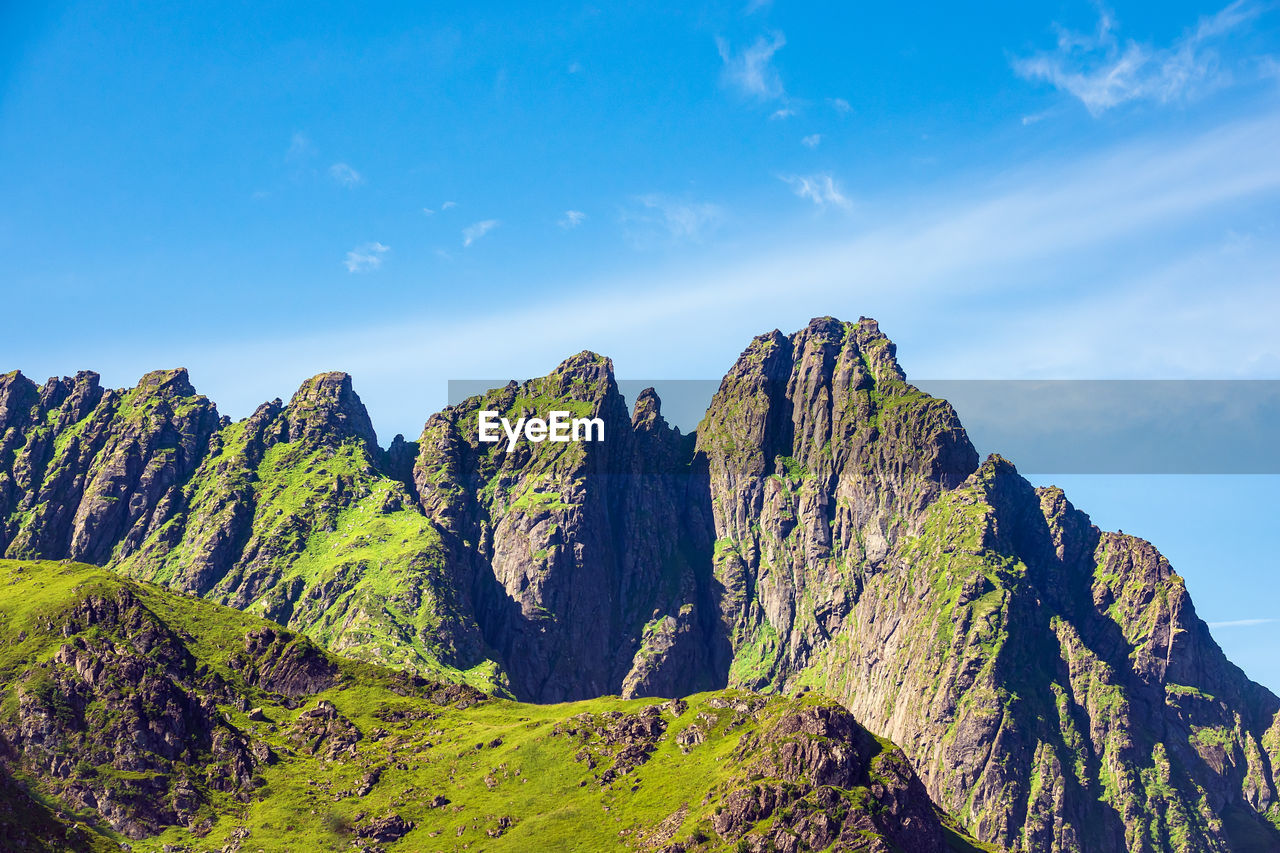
(516, 776)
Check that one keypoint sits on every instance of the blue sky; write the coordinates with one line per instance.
(263, 191)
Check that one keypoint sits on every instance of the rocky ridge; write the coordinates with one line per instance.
(828, 526)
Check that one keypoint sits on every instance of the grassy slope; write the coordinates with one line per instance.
(496, 759)
(349, 563)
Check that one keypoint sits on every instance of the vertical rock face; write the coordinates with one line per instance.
(1053, 683)
(581, 556)
(92, 472)
(326, 410)
(821, 457)
(1050, 683)
(829, 527)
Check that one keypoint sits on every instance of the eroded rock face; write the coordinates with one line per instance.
(324, 731)
(617, 743)
(123, 698)
(818, 756)
(90, 472)
(587, 561)
(821, 457)
(286, 664)
(1050, 683)
(151, 482)
(28, 824)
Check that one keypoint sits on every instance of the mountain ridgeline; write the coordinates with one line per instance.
(828, 528)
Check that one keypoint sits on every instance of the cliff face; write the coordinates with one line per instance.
(821, 458)
(829, 527)
(555, 571)
(587, 561)
(1051, 683)
(85, 471)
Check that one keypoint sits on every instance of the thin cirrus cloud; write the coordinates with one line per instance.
(822, 190)
(476, 230)
(571, 219)
(1103, 73)
(1241, 623)
(345, 176)
(657, 217)
(813, 140)
(300, 148)
(751, 72)
(365, 257)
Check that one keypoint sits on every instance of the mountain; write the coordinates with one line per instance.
(289, 513)
(142, 717)
(828, 528)
(1051, 683)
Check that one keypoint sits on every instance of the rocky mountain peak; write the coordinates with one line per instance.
(647, 414)
(586, 377)
(862, 343)
(326, 408)
(164, 383)
(83, 389)
(17, 395)
(14, 379)
(768, 356)
(587, 366)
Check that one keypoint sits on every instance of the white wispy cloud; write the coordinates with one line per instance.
(751, 71)
(813, 140)
(448, 204)
(1241, 623)
(365, 257)
(840, 105)
(778, 115)
(659, 215)
(300, 148)
(1103, 72)
(571, 219)
(346, 176)
(428, 211)
(476, 230)
(822, 190)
